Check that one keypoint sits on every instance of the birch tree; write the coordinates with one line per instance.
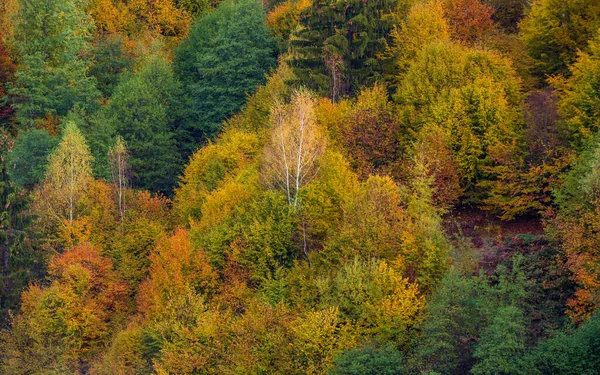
(67, 179)
(292, 157)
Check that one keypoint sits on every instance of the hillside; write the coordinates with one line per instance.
(336, 187)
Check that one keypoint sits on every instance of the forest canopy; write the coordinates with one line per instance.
(319, 187)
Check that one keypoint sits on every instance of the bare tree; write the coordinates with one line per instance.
(292, 156)
(334, 63)
(120, 172)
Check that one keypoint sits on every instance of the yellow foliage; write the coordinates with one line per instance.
(283, 20)
(210, 167)
(319, 337)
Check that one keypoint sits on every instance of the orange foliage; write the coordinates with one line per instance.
(580, 237)
(7, 69)
(440, 165)
(177, 268)
(469, 19)
(91, 275)
(283, 20)
(371, 133)
(72, 319)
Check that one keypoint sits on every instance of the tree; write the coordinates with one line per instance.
(368, 360)
(224, 58)
(51, 37)
(577, 227)
(468, 19)
(292, 157)
(502, 344)
(20, 261)
(508, 13)
(370, 134)
(340, 44)
(176, 268)
(7, 70)
(61, 327)
(139, 111)
(119, 167)
(471, 96)
(579, 96)
(553, 31)
(109, 61)
(450, 327)
(570, 353)
(69, 174)
(28, 159)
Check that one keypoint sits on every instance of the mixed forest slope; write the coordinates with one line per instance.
(299, 187)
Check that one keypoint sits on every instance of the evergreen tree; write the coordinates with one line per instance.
(7, 70)
(223, 60)
(51, 38)
(502, 344)
(20, 262)
(337, 50)
(369, 360)
(139, 112)
(28, 159)
(450, 328)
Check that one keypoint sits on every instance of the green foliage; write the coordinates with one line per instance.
(267, 235)
(570, 354)
(7, 71)
(21, 261)
(225, 57)
(139, 112)
(51, 37)
(508, 13)
(109, 60)
(339, 45)
(369, 360)
(579, 96)
(28, 159)
(502, 344)
(554, 31)
(472, 95)
(451, 326)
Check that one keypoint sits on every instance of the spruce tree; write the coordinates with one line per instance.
(343, 39)
(139, 112)
(51, 37)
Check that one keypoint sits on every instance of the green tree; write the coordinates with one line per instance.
(339, 46)
(472, 96)
(51, 38)
(369, 360)
(554, 31)
(28, 159)
(224, 58)
(579, 96)
(450, 327)
(570, 353)
(7, 70)
(20, 261)
(508, 13)
(109, 61)
(138, 111)
(501, 348)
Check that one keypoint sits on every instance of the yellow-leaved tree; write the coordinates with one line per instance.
(297, 143)
(59, 199)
